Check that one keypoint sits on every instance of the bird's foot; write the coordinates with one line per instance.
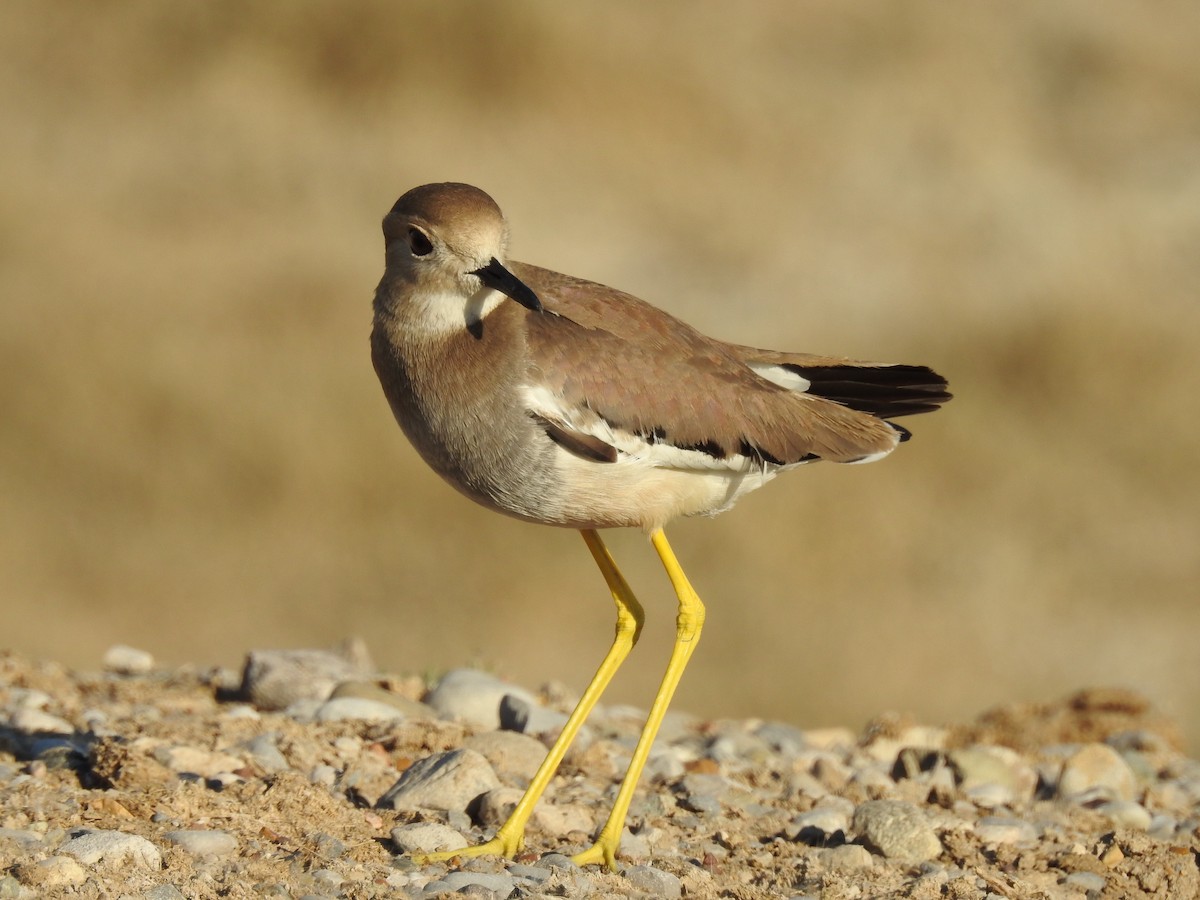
(502, 844)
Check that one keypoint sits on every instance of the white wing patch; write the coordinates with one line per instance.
(785, 378)
(635, 449)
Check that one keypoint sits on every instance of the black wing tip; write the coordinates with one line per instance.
(882, 390)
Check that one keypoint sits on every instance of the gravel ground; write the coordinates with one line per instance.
(307, 775)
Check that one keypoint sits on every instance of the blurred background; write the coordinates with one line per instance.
(196, 459)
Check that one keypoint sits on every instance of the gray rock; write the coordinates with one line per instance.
(60, 871)
(654, 882)
(472, 696)
(981, 769)
(1096, 768)
(368, 690)
(426, 837)
(33, 721)
(846, 858)
(897, 830)
(500, 883)
(522, 715)
(496, 806)
(113, 848)
(206, 763)
(993, 830)
(204, 843)
(1089, 882)
(343, 709)
(265, 753)
(275, 679)
(1126, 814)
(823, 819)
(26, 840)
(448, 781)
(163, 892)
(514, 757)
(125, 660)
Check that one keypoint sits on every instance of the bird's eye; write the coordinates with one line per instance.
(419, 243)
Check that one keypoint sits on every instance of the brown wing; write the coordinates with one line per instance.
(647, 373)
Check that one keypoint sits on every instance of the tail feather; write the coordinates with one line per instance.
(885, 391)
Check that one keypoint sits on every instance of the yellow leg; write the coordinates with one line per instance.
(688, 623)
(630, 617)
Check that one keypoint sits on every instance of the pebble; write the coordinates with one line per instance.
(368, 690)
(277, 679)
(426, 837)
(655, 882)
(35, 721)
(529, 717)
(471, 696)
(1096, 768)
(514, 757)
(202, 843)
(56, 871)
(449, 781)
(897, 830)
(500, 883)
(1126, 814)
(206, 763)
(344, 709)
(993, 830)
(1091, 882)
(122, 659)
(846, 858)
(113, 848)
(264, 751)
(818, 823)
(995, 774)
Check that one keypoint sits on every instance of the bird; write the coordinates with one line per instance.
(560, 401)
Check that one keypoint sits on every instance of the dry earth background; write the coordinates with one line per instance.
(195, 457)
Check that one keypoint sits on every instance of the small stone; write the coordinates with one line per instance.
(426, 837)
(265, 753)
(557, 820)
(198, 842)
(448, 781)
(514, 757)
(654, 882)
(205, 763)
(1089, 882)
(368, 690)
(163, 892)
(531, 874)
(1126, 814)
(113, 848)
(994, 830)
(981, 769)
(500, 883)
(528, 717)
(494, 807)
(897, 830)
(817, 824)
(34, 721)
(473, 696)
(846, 858)
(28, 841)
(344, 709)
(276, 679)
(57, 871)
(1096, 767)
(126, 660)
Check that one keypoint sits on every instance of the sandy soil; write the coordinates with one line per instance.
(153, 754)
